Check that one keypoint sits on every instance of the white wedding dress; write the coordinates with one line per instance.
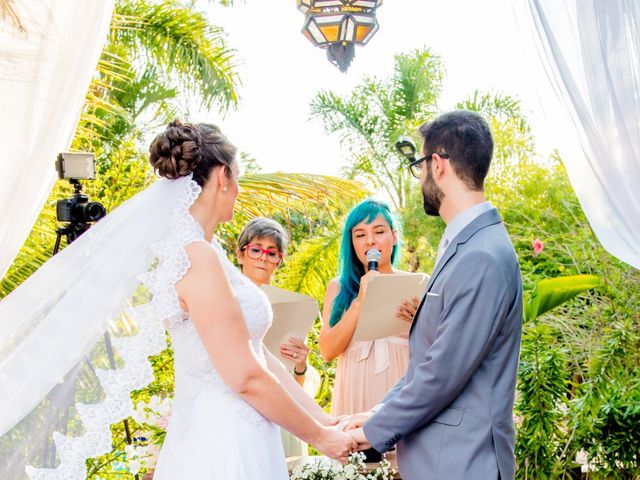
(213, 433)
(64, 381)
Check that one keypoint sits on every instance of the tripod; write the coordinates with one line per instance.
(71, 231)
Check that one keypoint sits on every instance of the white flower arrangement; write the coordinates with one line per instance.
(153, 417)
(322, 468)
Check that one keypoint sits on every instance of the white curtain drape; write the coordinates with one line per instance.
(588, 82)
(44, 75)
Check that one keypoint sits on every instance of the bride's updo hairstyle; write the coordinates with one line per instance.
(185, 148)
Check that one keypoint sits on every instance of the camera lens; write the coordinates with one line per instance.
(93, 211)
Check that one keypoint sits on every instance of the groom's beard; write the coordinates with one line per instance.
(431, 196)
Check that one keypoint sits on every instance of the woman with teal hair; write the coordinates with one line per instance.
(366, 370)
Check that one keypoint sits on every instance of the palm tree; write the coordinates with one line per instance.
(155, 53)
(377, 113)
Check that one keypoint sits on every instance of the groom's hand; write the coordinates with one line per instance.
(357, 420)
(358, 435)
(342, 422)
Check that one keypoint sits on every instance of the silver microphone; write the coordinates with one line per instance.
(373, 258)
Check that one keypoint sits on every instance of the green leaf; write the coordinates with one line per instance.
(552, 292)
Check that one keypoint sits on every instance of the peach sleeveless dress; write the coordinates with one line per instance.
(367, 371)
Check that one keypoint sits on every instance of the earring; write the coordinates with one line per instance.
(224, 189)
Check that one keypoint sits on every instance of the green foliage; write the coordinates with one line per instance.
(541, 405)
(605, 414)
(552, 292)
(579, 375)
(376, 113)
(192, 52)
(115, 183)
(616, 450)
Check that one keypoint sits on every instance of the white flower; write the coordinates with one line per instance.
(139, 416)
(130, 450)
(154, 402)
(134, 467)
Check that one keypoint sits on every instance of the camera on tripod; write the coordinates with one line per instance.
(77, 211)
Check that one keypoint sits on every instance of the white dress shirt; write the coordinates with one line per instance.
(458, 223)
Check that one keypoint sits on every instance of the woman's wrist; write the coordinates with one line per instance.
(327, 420)
(299, 371)
(317, 433)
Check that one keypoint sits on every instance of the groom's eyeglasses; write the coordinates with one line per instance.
(407, 149)
(256, 252)
(416, 165)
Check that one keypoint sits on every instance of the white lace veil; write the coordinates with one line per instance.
(75, 337)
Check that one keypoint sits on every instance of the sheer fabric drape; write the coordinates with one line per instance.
(587, 71)
(75, 337)
(44, 76)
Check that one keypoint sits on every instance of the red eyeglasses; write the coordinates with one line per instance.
(256, 252)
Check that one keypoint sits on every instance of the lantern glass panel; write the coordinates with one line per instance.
(362, 32)
(314, 34)
(331, 32)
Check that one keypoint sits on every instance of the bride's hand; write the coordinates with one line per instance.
(335, 444)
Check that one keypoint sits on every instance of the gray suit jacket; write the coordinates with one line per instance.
(451, 415)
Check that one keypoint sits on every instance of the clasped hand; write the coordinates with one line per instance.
(342, 436)
(352, 425)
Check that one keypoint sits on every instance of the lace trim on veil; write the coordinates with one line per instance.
(134, 350)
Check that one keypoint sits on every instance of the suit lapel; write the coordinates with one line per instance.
(483, 220)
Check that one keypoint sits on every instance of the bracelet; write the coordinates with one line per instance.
(300, 373)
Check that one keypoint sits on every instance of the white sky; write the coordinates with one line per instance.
(281, 71)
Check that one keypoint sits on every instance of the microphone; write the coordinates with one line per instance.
(373, 257)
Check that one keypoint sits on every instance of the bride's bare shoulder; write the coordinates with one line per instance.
(203, 257)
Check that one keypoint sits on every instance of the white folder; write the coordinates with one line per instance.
(293, 316)
(379, 307)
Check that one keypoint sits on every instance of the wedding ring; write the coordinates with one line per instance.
(295, 355)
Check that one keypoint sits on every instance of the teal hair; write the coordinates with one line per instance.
(350, 268)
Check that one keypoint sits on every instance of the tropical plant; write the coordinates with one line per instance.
(553, 292)
(377, 113)
(542, 402)
(151, 47)
(579, 375)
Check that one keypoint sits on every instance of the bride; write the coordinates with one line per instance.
(77, 334)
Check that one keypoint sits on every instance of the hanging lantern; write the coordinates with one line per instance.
(339, 25)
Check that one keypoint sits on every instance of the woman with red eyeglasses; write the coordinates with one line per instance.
(261, 248)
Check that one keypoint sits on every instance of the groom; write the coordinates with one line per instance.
(451, 414)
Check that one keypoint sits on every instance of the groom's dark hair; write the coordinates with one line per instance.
(466, 137)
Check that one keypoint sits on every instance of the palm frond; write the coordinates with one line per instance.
(265, 191)
(312, 266)
(284, 195)
(182, 41)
